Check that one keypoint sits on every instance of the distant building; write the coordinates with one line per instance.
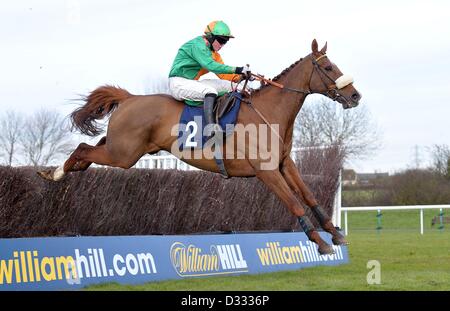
(368, 179)
(349, 177)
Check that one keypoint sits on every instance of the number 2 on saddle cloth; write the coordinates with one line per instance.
(191, 132)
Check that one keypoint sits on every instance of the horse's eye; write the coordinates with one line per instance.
(329, 68)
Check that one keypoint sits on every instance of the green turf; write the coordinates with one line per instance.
(409, 261)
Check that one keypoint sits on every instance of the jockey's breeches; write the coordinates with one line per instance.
(182, 89)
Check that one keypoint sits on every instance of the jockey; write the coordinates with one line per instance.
(198, 57)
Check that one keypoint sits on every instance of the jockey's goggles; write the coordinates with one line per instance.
(222, 39)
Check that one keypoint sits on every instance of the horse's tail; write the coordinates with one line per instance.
(100, 103)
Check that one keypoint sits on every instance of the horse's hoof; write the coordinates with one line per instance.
(325, 249)
(339, 240)
(47, 174)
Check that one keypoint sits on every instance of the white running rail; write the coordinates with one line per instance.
(164, 162)
(390, 208)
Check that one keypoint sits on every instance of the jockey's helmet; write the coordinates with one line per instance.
(218, 28)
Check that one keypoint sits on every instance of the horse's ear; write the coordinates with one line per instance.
(324, 49)
(315, 47)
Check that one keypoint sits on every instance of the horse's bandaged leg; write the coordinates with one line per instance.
(305, 224)
(320, 214)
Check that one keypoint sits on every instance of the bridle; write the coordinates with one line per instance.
(331, 90)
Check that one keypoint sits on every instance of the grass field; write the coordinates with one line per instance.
(409, 261)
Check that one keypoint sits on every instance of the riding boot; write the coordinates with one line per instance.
(216, 130)
(208, 111)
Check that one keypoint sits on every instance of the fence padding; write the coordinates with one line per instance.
(140, 202)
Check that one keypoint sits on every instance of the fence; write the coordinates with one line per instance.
(390, 208)
(171, 162)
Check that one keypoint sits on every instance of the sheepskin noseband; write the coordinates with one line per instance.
(343, 81)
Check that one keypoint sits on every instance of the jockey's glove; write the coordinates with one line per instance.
(245, 72)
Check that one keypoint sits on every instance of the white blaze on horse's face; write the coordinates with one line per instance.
(343, 81)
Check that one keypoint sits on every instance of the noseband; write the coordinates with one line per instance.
(332, 90)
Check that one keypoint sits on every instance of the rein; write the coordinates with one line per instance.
(249, 103)
(278, 85)
(331, 90)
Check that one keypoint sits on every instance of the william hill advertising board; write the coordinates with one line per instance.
(75, 262)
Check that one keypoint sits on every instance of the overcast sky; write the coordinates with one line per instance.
(397, 51)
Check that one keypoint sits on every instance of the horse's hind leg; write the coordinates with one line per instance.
(295, 181)
(84, 154)
(275, 181)
(83, 165)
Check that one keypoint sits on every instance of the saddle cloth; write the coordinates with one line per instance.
(191, 132)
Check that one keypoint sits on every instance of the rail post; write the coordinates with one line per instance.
(421, 221)
(379, 221)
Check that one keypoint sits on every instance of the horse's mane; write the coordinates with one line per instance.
(280, 75)
(285, 71)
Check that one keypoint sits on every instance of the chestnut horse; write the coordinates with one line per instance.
(145, 124)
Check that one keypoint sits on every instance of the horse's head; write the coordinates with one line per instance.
(327, 79)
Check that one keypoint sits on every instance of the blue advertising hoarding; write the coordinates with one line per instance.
(64, 263)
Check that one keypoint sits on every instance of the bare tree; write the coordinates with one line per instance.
(46, 136)
(11, 126)
(440, 155)
(323, 122)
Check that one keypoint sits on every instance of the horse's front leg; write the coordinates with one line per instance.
(275, 181)
(292, 176)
